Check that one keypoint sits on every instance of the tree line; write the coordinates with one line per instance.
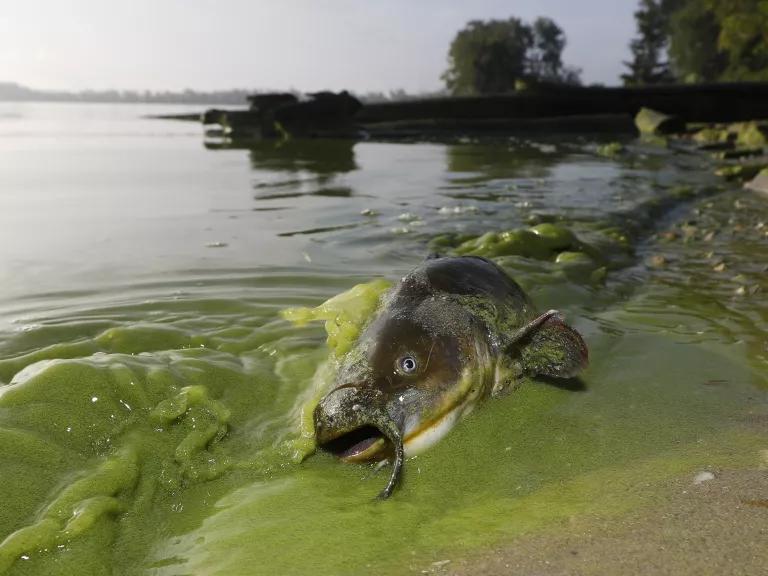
(10, 91)
(501, 55)
(677, 41)
(699, 41)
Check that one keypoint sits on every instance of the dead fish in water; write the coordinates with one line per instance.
(453, 331)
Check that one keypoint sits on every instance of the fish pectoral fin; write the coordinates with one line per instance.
(508, 375)
(549, 347)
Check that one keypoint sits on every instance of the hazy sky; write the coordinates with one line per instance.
(363, 45)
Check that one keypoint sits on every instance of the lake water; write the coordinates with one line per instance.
(150, 391)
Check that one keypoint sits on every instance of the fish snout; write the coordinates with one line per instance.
(336, 411)
(352, 423)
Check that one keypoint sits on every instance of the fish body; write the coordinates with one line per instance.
(453, 331)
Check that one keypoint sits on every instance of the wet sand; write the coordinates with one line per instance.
(718, 526)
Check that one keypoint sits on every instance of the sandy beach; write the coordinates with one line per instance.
(714, 527)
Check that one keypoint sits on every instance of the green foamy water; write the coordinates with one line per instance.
(153, 393)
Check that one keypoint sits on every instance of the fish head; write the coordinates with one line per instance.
(407, 381)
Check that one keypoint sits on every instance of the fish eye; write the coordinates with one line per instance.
(407, 364)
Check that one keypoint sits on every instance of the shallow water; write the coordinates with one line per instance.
(152, 388)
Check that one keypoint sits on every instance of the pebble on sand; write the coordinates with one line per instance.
(703, 476)
(657, 261)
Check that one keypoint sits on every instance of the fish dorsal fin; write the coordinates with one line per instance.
(549, 347)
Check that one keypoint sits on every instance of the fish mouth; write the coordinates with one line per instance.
(357, 445)
(353, 423)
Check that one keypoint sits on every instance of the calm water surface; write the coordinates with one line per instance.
(149, 389)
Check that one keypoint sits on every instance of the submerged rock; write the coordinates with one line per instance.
(737, 153)
(582, 262)
(740, 134)
(759, 183)
(740, 171)
(574, 259)
(751, 134)
(711, 135)
(543, 242)
(653, 122)
(554, 236)
(611, 150)
(657, 261)
(682, 191)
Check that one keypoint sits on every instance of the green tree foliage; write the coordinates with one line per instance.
(649, 64)
(706, 41)
(493, 56)
(693, 47)
(545, 57)
(743, 37)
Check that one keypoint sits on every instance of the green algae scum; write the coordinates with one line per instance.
(158, 359)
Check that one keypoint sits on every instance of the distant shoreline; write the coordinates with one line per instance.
(153, 102)
(12, 92)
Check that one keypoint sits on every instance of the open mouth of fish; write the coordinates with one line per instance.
(368, 442)
(363, 443)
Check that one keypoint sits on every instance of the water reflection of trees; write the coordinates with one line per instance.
(296, 168)
(483, 161)
(320, 157)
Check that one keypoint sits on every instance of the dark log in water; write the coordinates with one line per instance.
(181, 117)
(541, 109)
(690, 102)
(447, 127)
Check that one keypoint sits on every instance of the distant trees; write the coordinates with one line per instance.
(699, 41)
(693, 43)
(494, 56)
(10, 91)
(738, 32)
(649, 64)
(545, 55)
